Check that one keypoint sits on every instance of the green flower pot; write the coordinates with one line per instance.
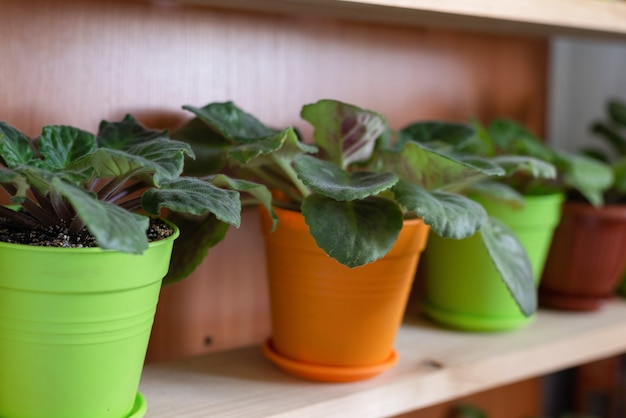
(463, 288)
(74, 329)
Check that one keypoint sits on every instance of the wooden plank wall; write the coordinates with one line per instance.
(77, 62)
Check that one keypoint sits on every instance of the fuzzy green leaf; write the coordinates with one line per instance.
(283, 145)
(231, 122)
(458, 137)
(510, 137)
(40, 178)
(208, 146)
(259, 191)
(125, 133)
(356, 232)
(15, 147)
(497, 191)
(589, 176)
(61, 146)
(197, 236)
(196, 197)
(112, 226)
(331, 181)
(511, 261)
(127, 147)
(162, 158)
(347, 133)
(531, 166)
(18, 181)
(449, 215)
(433, 170)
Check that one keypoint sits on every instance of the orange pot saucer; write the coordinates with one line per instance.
(326, 373)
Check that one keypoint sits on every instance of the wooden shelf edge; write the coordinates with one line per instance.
(540, 17)
(435, 365)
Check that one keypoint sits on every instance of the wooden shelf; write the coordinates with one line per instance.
(542, 17)
(435, 365)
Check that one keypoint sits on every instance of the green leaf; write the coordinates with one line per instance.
(354, 233)
(611, 137)
(15, 147)
(208, 146)
(347, 133)
(510, 137)
(127, 147)
(40, 178)
(197, 236)
(433, 170)
(112, 226)
(18, 181)
(231, 122)
(60, 146)
(486, 165)
(259, 191)
(511, 261)
(126, 133)
(589, 176)
(255, 151)
(458, 136)
(617, 112)
(196, 197)
(497, 191)
(531, 166)
(619, 169)
(283, 145)
(466, 411)
(449, 215)
(331, 181)
(164, 159)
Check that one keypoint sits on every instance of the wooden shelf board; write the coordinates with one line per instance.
(541, 17)
(435, 365)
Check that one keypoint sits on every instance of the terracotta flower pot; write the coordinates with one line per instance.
(586, 259)
(331, 322)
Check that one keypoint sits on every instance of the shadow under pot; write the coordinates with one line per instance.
(586, 259)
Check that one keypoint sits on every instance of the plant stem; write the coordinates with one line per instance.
(135, 187)
(31, 207)
(132, 205)
(19, 217)
(37, 212)
(76, 225)
(60, 207)
(42, 200)
(291, 174)
(111, 187)
(274, 181)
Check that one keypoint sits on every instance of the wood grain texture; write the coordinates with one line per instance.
(435, 365)
(539, 17)
(520, 399)
(77, 62)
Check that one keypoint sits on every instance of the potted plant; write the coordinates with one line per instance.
(527, 199)
(82, 256)
(352, 199)
(586, 260)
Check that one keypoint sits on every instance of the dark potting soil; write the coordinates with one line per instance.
(59, 236)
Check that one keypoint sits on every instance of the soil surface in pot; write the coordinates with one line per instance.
(59, 236)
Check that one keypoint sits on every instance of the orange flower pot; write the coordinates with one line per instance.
(331, 322)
